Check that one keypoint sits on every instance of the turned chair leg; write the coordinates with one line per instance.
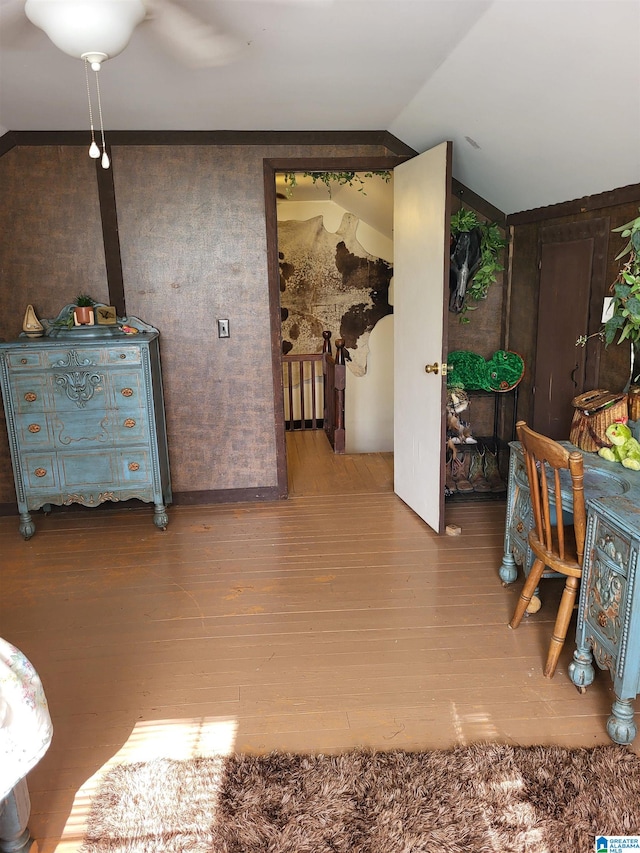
(526, 595)
(562, 623)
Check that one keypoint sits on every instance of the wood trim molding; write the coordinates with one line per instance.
(110, 236)
(212, 496)
(270, 167)
(7, 142)
(275, 320)
(223, 496)
(219, 137)
(477, 203)
(612, 198)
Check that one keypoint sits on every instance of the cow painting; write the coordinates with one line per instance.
(328, 281)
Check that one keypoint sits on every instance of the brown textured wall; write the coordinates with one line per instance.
(193, 244)
(523, 316)
(50, 245)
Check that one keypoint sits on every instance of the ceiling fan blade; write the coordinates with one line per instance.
(195, 42)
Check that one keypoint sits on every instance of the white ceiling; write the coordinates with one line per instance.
(540, 97)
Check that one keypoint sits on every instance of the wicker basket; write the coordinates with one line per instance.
(634, 403)
(594, 411)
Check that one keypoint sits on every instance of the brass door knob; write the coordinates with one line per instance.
(436, 367)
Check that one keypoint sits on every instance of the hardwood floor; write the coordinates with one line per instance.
(314, 470)
(331, 620)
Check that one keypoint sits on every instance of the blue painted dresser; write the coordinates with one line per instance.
(608, 625)
(85, 419)
(609, 609)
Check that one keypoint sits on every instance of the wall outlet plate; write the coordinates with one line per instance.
(223, 328)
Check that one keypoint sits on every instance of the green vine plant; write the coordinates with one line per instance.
(491, 245)
(340, 178)
(623, 323)
(624, 319)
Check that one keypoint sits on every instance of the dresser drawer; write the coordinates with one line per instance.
(612, 545)
(135, 467)
(34, 431)
(24, 359)
(31, 394)
(123, 355)
(126, 389)
(40, 471)
(130, 428)
(90, 468)
(606, 599)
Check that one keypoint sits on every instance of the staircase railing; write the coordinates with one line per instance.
(314, 386)
(303, 388)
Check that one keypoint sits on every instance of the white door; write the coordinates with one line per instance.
(420, 282)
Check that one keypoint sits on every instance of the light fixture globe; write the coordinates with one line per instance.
(87, 27)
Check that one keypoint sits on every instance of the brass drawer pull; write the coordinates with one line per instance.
(129, 423)
(30, 396)
(40, 472)
(24, 361)
(134, 466)
(34, 428)
(127, 392)
(123, 355)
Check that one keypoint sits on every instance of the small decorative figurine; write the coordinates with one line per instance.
(31, 326)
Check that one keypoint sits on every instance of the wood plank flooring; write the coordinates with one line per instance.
(332, 620)
(314, 470)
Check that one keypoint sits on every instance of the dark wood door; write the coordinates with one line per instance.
(572, 287)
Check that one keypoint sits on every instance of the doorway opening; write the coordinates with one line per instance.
(334, 252)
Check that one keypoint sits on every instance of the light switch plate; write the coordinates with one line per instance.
(223, 328)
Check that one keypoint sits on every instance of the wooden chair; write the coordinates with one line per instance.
(556, 543)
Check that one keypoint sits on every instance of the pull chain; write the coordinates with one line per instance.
(105, 156)
(94, 151)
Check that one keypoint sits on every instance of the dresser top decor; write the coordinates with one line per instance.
(107, 324)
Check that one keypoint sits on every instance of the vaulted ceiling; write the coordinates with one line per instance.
(540, 97)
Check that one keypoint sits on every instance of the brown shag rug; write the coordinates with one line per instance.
(486, 797)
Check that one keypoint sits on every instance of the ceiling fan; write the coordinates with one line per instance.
(97, 30)
(101, 29)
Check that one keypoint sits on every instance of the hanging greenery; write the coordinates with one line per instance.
(340, 178)
(491, 245)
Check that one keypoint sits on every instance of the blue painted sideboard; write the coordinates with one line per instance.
(609, 607)
(85, 419)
